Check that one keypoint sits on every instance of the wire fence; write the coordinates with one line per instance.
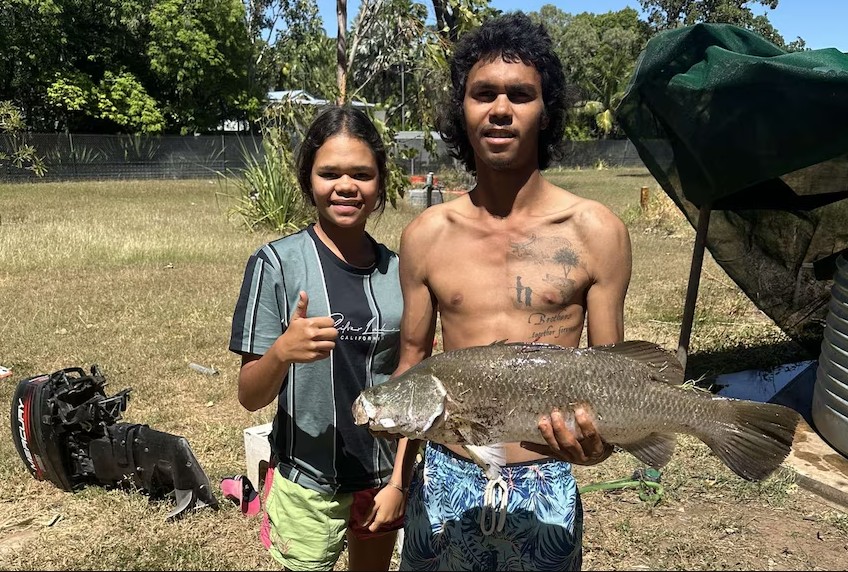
(68, 156)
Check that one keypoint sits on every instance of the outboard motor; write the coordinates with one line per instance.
(65, 430)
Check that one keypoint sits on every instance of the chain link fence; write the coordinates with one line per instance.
(71, 156)
(74, 156)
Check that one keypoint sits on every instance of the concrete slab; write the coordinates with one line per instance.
(818, 467)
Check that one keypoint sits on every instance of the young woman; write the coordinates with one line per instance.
(316, 322)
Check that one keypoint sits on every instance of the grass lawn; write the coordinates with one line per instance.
(141, 278)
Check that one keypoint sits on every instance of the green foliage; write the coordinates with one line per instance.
(71, 92)
(198, 51)
(304, 56)
(121, 98)
(665, 14)
(21, 155)
(269, 196)
(189, 61)
(599, 53)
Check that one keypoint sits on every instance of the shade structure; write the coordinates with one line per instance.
(756, 138)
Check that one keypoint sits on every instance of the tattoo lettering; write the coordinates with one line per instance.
(549, 322)
(539, 318)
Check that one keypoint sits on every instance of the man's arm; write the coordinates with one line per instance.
(610, 264)
(417, 331)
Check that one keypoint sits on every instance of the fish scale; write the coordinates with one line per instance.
(486, 395)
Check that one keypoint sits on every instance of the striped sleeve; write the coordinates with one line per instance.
(257, 319)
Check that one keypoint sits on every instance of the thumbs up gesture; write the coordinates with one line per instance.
(307, 339)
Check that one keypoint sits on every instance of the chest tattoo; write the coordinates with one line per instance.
(543, 276)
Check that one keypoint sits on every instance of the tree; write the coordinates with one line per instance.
(398, 59)
(387, 41)
(599, 52)
(455, 17)
(303, 54)
(198, 51)
(665, 14)
(189, 61)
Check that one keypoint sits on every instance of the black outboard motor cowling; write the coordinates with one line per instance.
(65, 430)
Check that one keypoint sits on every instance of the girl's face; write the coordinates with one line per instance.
(345, 181)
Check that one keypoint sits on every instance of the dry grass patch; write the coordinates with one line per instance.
(141, 278)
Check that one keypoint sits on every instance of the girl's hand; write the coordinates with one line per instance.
(389, 505)
(306, 339)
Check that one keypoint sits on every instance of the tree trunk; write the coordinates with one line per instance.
(341, 49)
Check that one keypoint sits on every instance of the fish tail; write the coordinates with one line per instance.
(757, 438)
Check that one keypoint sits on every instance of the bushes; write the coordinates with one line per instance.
(268, 192)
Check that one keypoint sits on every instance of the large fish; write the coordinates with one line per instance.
(482, 396)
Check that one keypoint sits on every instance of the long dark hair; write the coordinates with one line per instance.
(334, 121)
(513, 37)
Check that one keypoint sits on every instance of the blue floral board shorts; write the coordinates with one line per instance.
(542, 520)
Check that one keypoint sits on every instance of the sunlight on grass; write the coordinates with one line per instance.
(141, 277)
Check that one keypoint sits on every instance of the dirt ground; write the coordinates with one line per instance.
(710, 522)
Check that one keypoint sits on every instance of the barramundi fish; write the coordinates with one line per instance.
(483, 396)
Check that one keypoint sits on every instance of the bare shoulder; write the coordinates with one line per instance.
(432, 223)
(607, 242)
(597, 224)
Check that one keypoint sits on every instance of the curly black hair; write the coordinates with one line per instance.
(336, 120)
(513, 37)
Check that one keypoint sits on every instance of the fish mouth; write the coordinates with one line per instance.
(363, 411)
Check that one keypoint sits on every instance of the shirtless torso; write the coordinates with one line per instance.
(532, 275)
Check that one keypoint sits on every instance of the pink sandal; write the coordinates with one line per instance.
(239, 489)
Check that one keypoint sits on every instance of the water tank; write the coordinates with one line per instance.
(830, 396)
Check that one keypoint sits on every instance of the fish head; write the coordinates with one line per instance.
(408, 406)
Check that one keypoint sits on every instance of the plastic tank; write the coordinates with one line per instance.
(830, 396)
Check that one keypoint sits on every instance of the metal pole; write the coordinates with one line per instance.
(402, 98)
(694, 281)
(73, 152)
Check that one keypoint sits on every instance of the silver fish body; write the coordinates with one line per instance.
(486, 395)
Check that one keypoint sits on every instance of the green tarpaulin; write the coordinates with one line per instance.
(724, 119)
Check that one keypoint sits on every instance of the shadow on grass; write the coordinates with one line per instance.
(640, 174)
(730, 360)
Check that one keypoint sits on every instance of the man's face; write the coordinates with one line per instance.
(504, 114)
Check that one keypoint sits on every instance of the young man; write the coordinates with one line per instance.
(515, 259)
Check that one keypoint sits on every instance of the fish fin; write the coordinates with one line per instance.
(663, 363)
(472, 433)
(654, 450)
(758, 439)
(490, 458)
(439, 414)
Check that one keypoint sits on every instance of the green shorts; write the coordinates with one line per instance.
(304, 529)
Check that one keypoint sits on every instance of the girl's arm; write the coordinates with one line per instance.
(305, 340)
(417, 331)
